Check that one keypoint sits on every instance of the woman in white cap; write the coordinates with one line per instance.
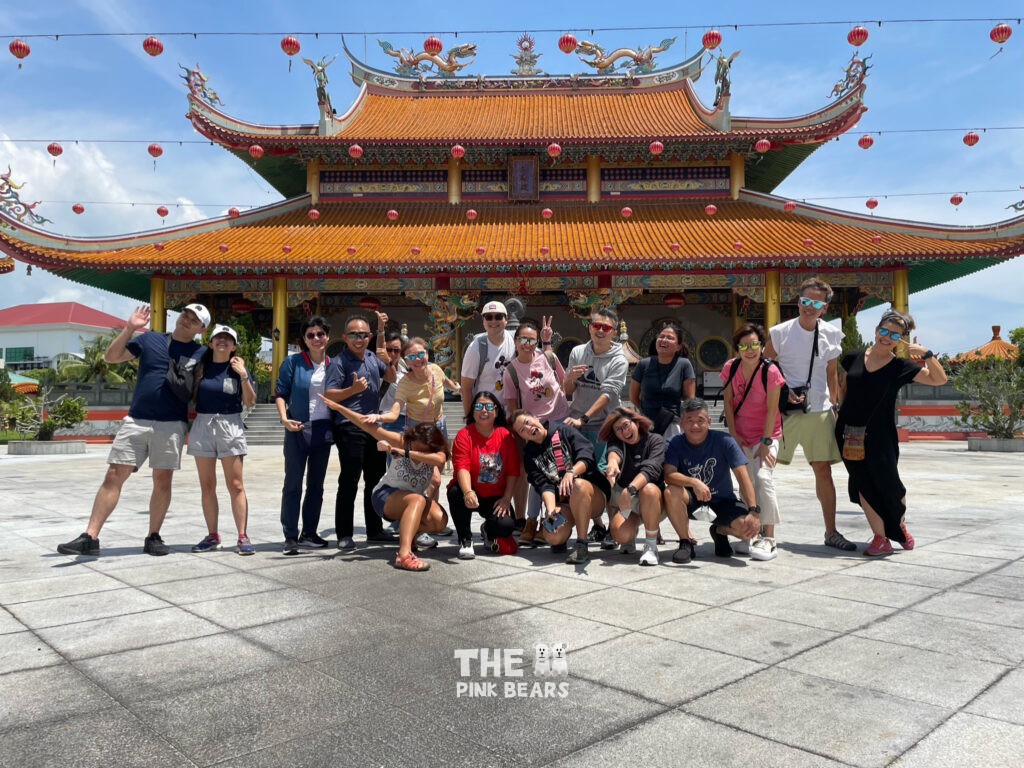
(223, 387)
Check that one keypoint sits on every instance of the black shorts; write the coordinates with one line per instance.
(726, 510)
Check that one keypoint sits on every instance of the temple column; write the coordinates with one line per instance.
(593, 179)
(313, 180)
(454, 181)
(737, 175)
(734, 312)
(901, 298)
(457, 366)
(279, 336)
(157, 305)
(772, 298)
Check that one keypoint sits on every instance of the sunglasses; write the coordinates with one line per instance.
(484, 406)
(394, 350)
(359, 334)
(316, 335)
(602, 327)
(527, 341)
(894, 335)
(416, 355)
(751, 345)
(490, 317)
(816, 303)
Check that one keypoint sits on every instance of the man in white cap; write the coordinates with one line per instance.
(483, 365)
(154, 428)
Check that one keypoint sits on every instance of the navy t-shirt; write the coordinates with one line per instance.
(220, 389)
(339, 376)
(152, 398)
(711, 462)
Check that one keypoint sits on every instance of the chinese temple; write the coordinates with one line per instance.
(436, 190)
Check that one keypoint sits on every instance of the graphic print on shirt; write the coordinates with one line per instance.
(414, 473)
(490, 468)
(535, 384)
(704, 472)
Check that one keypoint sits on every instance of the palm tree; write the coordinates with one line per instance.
(92, 365)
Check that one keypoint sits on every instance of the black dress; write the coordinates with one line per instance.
(870, 401)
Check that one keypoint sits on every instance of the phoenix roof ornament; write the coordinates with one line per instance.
(12, 204)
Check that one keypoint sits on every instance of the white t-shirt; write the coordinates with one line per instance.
(317, 408)
(498, 356)
(793, 346)
(388, 398)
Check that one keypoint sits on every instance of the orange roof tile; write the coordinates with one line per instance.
(994, 348)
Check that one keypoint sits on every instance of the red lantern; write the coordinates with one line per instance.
(871, 203)
(626, 212)
(351, 250)
(876, 238)
(415, 250)
(355, 151)
(290, 45)
(865, 141)
(763, 145)
(155, 150)
(78, 208)
(158, 246)
(956, 199)
(970, 138)
(286, 248)
(738, 245)
(392, 214)
(674, 300)
(19, 49)
(657, 148)
(711, 39)
(233, 213)
(256, 151)
(480, 250)
(241, 306)
(857, 36)
(471, 214)
(544, 250)
(313, 214)
(55, 149)
(223, 247)
(674, 247)
(554, 150)
(710, 209)
(433, 45)
(162, 211)
(153, 46)
(1000, 34)
(370, 303)
(808, 242)
(789, 206)
(547, 213)
(458, 151)
(567, 43)
(607, 248)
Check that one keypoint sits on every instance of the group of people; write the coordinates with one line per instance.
(546, 451)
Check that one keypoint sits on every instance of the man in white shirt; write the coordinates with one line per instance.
(483, 365)
(811, 424)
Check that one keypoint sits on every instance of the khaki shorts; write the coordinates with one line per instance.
(814, 432)
(139, 439)
(634, 502)
(217, 435)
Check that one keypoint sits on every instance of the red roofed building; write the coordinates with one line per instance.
(35, 335)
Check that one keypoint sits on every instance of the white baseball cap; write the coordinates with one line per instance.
(224, 329)
(201, 312)
(494, 307)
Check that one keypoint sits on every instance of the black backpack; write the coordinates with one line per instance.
(764, 365)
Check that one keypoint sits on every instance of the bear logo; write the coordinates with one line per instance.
(559, 663)
(541, 660)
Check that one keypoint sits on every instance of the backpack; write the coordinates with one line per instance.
(514, 375)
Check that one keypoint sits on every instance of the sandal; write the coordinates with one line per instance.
(411, 563)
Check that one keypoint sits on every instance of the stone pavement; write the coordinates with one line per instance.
(816, 658)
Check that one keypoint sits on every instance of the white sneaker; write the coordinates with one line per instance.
(742, 546)
(650, 555)
(763, 548)
(629, 548)
(425, 541)
(466, 550)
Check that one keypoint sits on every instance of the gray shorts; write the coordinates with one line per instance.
(217, 435)
(140, 439)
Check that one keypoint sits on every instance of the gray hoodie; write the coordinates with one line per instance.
(606, 376)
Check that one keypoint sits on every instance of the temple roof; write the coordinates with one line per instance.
(436, 238)
(995, 347)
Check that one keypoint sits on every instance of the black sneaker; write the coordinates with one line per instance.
(83, 545)
(684, 554)
(560, 548)
(597, 533)
(312, 541)
(580, 554)
(154, 545)
(722, 548)
(291, 546)
(385, 535)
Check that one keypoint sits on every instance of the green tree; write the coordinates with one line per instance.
(249, 342)
(994, 388)
(852, 339)
(93, 366)
(7, 392)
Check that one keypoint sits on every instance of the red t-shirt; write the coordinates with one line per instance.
(489, 460)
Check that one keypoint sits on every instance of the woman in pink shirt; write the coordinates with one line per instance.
(751, 396)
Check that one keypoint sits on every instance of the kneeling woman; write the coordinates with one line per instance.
(560, 465)
(403, 493)
(218, 433)
(636, 465)
(485, 460)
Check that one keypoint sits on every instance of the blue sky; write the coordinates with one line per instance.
(925, 75)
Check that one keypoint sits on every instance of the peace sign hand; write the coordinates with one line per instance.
(545, 329)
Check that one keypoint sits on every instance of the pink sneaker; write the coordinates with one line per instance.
(908, 539)
(879, 546)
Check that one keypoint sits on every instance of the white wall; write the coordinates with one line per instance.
(50, 339)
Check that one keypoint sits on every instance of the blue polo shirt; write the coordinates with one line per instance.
(711, 462)
(339, 376)
(152, 398)
(220, 389)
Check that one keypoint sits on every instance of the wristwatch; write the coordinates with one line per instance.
(584, 419)
(632, 490)
(754, 510)
(766, 441)
(928, 355)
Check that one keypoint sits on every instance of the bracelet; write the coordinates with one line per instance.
(466, 493)
(546, 343)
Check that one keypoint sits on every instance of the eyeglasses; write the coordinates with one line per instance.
(816, 303)
(894, 335)
(484, 406)
(622, 425)
(359, 334)
(490, 317)
(416, 355)
(527, 341)
(316, 335)
(602, 327)
(751, 345)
